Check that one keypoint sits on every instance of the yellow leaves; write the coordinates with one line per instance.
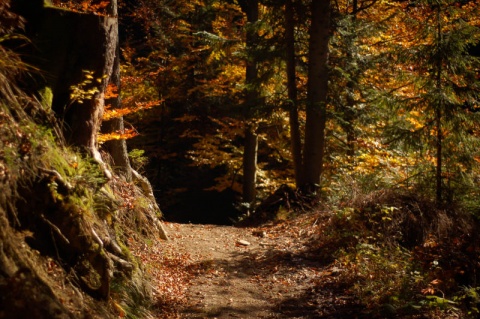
(376, 158)
(118, 308)
(414, 118)
(369, 161)
(216, 56)
(87, 89)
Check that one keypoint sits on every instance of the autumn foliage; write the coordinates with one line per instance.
(361, 117)
(401, 111)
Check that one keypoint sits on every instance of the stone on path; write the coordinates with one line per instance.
(243, 242)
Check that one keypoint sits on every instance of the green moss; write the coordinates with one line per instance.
(130, 257)
(137, 159)
(46, 96)
(105, 204)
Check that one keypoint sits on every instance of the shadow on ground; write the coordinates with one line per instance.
(293, 285)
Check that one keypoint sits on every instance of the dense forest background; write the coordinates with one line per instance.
(392, 101)
(239, 112)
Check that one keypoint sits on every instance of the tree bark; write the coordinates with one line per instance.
(250, 8)
(349, 109)
(295, 137)
(250, 164)
(72, 44)
(117, 148)
(317, 94)
(438, 116)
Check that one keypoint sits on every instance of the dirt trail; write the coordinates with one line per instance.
(228, 282)
(247, 272)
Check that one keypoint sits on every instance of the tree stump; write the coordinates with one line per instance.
(77, 53)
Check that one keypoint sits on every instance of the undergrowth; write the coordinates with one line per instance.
(403, 255)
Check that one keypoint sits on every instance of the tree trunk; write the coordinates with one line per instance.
(317, 94)
(251, 100)
(250, 164)
(117, 148)
(349, 109)
(78, 52)
(438, 116)
(295, 138)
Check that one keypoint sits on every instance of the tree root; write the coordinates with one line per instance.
(123, 264)
(148, 192)
(57, 177)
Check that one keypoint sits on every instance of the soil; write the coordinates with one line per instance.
(267, 272)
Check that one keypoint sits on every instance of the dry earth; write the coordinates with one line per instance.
(211, 271)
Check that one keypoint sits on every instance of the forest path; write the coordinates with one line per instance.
(229, 281)
(247, 272)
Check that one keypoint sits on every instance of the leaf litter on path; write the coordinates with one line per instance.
(211, 271)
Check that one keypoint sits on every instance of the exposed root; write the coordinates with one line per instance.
(148, 192)
(283, 198)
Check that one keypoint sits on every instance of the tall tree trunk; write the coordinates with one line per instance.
(117, 148)
(438, 171)
(317, 93)
(349, 110)
(295, 138)
(251, 100)
(438, 113)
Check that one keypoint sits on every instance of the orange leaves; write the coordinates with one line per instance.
(85, 6)
(137, 106)
(428, 291)
(111, 91)
(128, 133)
(432, 287)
